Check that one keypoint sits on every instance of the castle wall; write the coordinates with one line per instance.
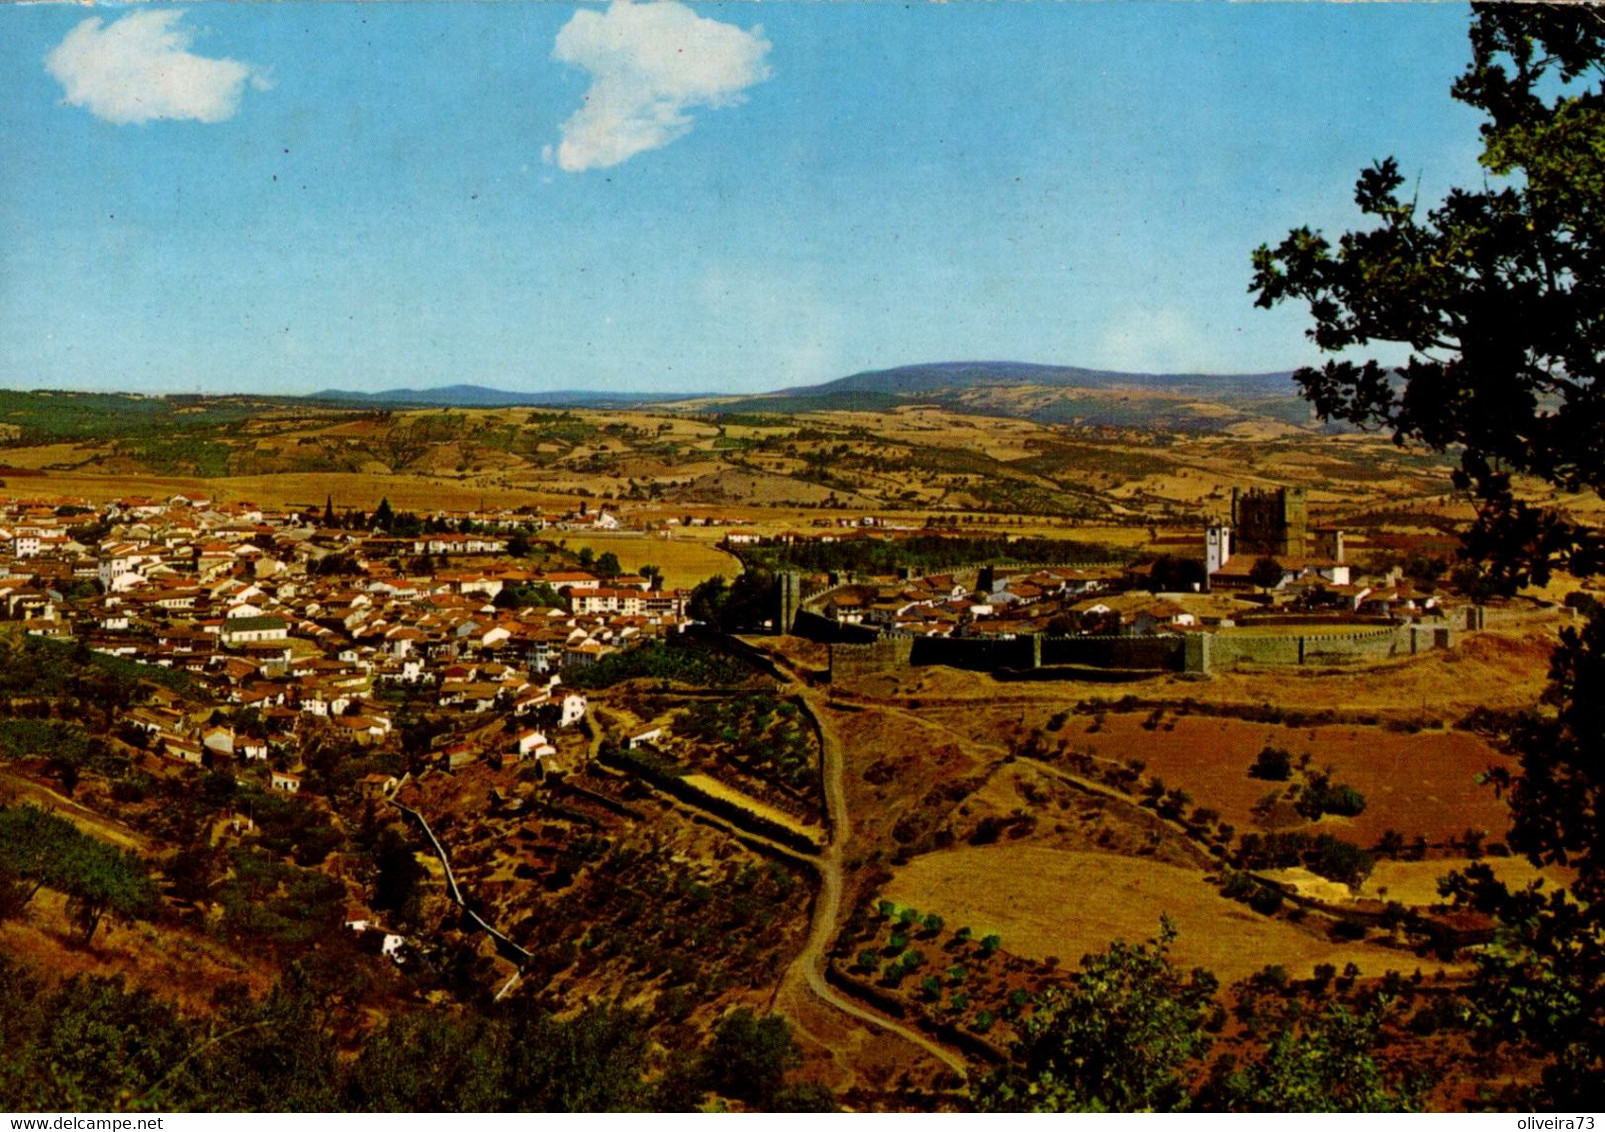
(1153, 653)
(1325, 648)
(848, 661)
(816, 627)
(978, 654)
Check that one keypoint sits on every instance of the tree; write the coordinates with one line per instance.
(1323, 1062)
(1275, 764)
(707, 599)
(749, 1056)
(384, 517)
(1170, 574)
(46, 850)
(607, 564)
(753, 602)
(1495, 299)
(1122, 1039)
(397, 877)
(15, 893)
(1494, 295)
(1266, 572)
(99, 880)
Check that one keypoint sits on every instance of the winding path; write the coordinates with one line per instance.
(810, 963)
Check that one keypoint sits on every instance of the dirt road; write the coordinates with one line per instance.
(808, 968)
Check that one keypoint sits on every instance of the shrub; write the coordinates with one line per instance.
(1347, 929)
(1274, 764)
(1339, 860)
(1266, 900)
(1320, 796)
(1238, 886)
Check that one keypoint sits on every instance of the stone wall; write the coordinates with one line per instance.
(816, 627)
(851, 660)
(1315, 648)
(1191, 652)
(1153, 653)
(978, 654)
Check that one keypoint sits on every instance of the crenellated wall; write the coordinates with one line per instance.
(1314, 648)
(1157, 653)
(851, 660)
(1191, 652)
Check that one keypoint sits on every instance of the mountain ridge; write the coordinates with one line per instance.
(946, 376)
(883, 387)
(485, 397)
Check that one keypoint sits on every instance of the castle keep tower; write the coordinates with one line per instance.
(1271, 523)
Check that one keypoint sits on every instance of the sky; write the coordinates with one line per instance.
(660, 197)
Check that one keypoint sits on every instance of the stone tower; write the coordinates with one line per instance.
(790, 600)
(1274, 523)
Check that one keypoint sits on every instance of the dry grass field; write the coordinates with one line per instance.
(1046, 902)
(17, 790)
(1422, 784)
(1415, 883)
(685, 561)
(716, 788)
(188, 967)
(1021, 475)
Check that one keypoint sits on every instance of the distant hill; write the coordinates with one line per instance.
(1045, 394)
(1194, 402)
(483, 397)
(941, 377)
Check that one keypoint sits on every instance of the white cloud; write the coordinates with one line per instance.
(649, 65)
(140, 67)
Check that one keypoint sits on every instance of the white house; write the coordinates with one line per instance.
(289, 783)
(240, 630)
(534, 743)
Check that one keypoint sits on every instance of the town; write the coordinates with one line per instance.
(281, 617)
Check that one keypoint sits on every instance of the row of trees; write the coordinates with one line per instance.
(40, 849)
(924, 553)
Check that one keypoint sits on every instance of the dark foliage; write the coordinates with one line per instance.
(1499, 295)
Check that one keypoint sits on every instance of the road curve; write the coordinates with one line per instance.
(827, 905)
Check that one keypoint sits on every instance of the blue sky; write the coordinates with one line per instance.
(654, 197)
